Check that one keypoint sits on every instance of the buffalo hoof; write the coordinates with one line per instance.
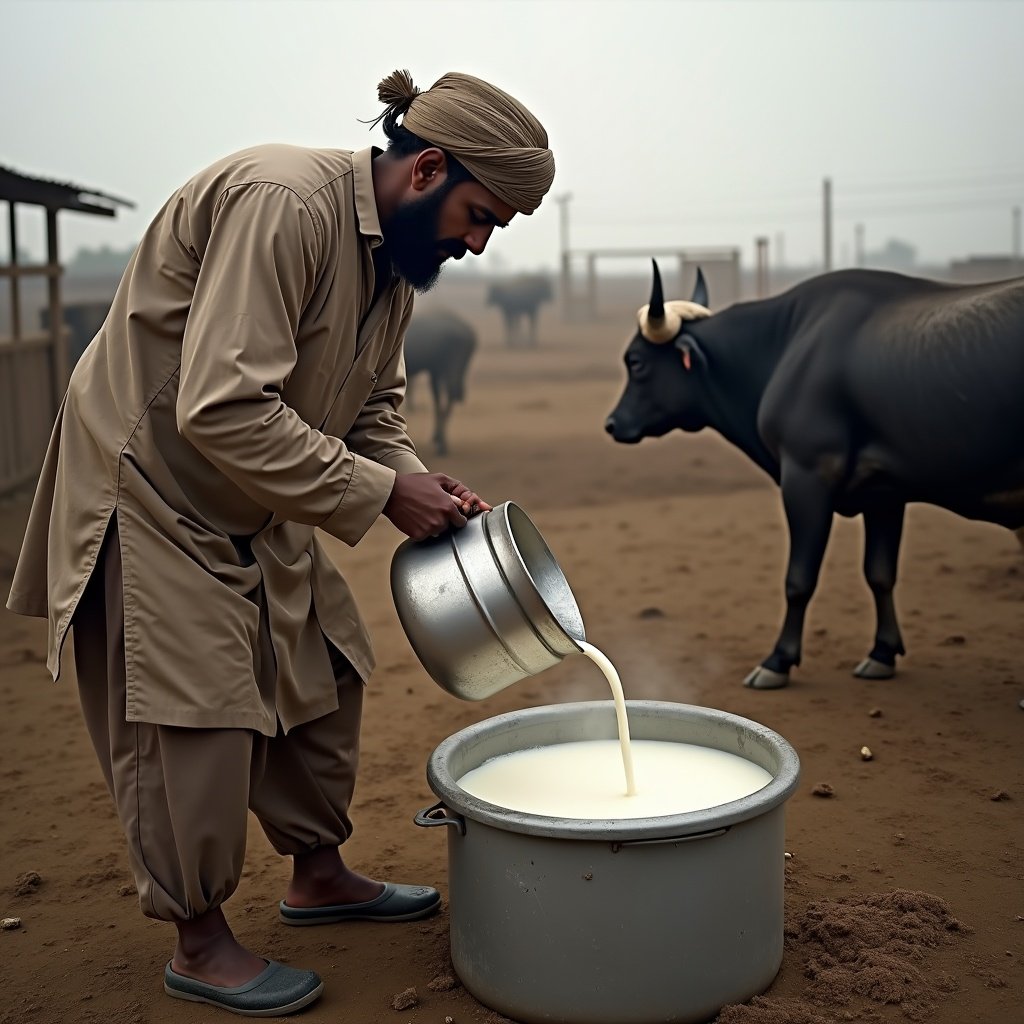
(766, 679)
(871, 669)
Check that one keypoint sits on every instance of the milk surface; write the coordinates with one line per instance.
(584, 779)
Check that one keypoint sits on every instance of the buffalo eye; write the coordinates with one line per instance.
(637, 367)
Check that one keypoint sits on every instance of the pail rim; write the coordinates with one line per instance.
(568, 621)
(719, 729)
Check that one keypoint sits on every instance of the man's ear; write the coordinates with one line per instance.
(691, 351)
(429, 165)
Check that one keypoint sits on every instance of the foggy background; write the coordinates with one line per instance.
(672, 123)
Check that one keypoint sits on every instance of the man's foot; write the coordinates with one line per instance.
(275, 992)
(396, 903)
(324, 890)
(208, 951)
(321, 878)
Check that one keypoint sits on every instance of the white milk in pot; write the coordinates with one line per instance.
(605, 779)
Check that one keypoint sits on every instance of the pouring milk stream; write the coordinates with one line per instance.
(615, 683)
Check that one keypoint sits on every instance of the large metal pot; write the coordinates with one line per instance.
(632, 921)
(486, 605)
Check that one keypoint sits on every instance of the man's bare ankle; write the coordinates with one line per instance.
(225, 964)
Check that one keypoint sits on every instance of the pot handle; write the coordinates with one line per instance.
(439, 815)
(619, 844)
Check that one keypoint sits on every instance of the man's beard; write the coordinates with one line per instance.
(411, 238)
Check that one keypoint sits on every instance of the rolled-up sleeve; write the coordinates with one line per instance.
(380, 432)
(256, 275)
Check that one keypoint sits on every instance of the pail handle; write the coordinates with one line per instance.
(619, 844)
(439, 815)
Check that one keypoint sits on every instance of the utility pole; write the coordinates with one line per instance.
(827, 219)
(565, 283)
(762, 267)
(1016, 237)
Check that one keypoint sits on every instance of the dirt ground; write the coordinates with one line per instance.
(675, 551)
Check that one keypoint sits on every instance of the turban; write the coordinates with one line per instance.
(489, 132)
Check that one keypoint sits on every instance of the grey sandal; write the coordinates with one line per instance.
(274, 992)
(396, 903)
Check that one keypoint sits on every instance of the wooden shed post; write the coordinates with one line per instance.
(61, 366)
(15, 291)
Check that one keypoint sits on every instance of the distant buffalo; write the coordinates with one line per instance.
(441, 345)
(520, 297)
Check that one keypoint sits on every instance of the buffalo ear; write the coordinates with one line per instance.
(691, 351)
(700, 289)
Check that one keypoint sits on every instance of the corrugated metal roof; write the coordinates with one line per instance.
(61, 195)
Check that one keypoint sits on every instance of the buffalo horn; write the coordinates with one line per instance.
(656, 309)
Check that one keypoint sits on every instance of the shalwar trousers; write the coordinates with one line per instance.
(182, 794)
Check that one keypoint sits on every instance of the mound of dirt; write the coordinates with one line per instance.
(858, 948)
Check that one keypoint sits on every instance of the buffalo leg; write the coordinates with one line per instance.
(883, 530)
(807, 499)
(443, 412)
(439, 416)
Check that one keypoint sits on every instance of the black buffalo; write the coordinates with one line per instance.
(520, 298)
(857, 392)
(440, 344)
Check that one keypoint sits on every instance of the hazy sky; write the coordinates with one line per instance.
(673, 123)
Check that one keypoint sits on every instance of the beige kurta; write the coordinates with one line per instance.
(240, 393)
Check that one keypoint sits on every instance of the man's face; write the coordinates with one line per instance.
(438, 220)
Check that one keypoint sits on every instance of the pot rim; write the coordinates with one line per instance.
(687, 824)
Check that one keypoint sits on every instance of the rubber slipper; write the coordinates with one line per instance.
(274, 992)
(396, 903)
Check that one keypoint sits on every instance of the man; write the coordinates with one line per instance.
(244, 390)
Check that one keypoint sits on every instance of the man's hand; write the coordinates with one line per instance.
(424, 504)
(468, 501)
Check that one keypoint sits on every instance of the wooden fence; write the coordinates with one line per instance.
(34, 372)
(28, 405)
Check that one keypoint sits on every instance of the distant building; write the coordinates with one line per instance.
(894, 255)
(99, 262)
(977, 269)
